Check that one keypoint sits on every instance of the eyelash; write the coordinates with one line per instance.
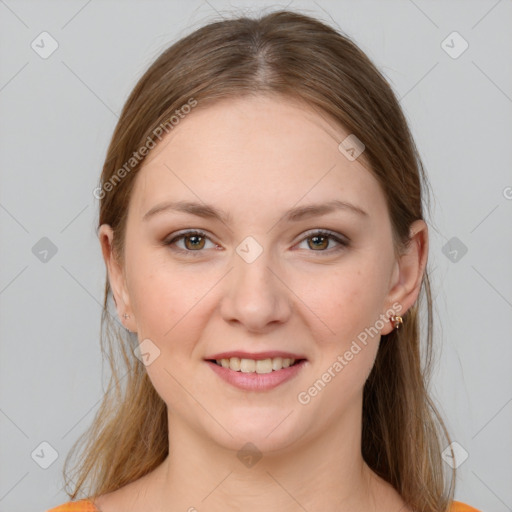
(343, 243)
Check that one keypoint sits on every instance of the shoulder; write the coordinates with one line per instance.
(75, 506)
(458, 506)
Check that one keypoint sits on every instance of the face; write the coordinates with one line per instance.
(265, 279)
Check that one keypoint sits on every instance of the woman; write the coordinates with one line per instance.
(261, 223)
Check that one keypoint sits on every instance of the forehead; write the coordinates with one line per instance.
(254, 152)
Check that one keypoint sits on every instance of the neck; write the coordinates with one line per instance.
(324, 473)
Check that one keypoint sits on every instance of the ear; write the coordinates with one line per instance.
(408, 272)
(116, 277)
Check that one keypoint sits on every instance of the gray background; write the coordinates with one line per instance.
(57, 117)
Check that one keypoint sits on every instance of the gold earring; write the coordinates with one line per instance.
(125, 315)
(397, 321)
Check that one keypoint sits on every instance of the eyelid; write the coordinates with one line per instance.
(325, 232)
(184, 232)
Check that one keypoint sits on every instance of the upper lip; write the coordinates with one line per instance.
(255, 355)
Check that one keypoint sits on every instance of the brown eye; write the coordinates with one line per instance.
(190, 242)
(194, 242)
(318, 242)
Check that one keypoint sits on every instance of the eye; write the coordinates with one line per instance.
(194, 241)
(320, 240)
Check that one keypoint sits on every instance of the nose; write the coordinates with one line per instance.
(256, 295)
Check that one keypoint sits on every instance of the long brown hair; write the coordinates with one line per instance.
(300, 57)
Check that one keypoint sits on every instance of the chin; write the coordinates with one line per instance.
(265, 434)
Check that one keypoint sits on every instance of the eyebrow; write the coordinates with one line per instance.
(292, 215)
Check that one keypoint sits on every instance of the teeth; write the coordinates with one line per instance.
(247, 365)
(234, 363)
(259, 366)
(277, 363)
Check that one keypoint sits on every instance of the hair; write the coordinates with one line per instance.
(295, 56)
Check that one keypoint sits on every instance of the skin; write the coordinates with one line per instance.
(256, 158)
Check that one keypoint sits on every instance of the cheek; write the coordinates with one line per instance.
(349, 303)
(164, 298)
(167, 306)
(345, 300)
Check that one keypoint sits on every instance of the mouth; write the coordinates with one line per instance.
(256, 362)
(249, 365)
(256, 372)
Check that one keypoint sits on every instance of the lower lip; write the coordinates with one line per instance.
(257, 381)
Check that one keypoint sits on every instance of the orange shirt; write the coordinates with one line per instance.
(457, 506)
(87, 506)
(75, 506)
